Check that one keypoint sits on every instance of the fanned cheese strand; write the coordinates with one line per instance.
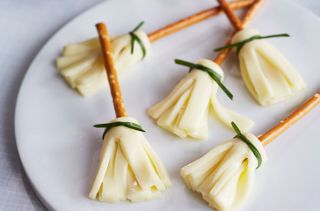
(81, 64)
(269, 77)
(185, 110)
(128, 169)
(225, 175)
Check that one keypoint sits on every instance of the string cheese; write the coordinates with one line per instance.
(225, 175)
(185, 110)
(267, 74)
(128, 169)
(83, 62)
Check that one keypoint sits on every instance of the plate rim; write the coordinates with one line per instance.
(18, 98)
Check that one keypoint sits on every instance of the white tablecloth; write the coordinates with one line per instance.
(25, 27)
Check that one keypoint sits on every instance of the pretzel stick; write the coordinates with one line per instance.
(221, 57)
(304, 109)
(235, 21)
(193, 19)
(250, 12)
(115, 89)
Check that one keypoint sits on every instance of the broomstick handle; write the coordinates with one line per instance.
(286, 123)
(114, 84)
(193, 19)
(233, 18)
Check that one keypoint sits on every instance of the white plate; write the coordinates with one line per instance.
(59, 147)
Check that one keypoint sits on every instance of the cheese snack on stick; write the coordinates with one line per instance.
(128, 169)
(267, 74)
(184, 112)
(225, 175)
(78, 60)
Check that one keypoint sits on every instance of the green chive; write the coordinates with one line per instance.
(243, 138)
(108, 126)
(240, 44)
(135, 38)
(138, 27)
(132, 42)
(213, 74)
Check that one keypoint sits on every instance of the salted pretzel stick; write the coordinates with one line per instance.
(115, 89)
(235, 21)
(193, 19)
(286, 123)
(220, 58)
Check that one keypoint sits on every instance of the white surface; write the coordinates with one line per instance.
(29, 27)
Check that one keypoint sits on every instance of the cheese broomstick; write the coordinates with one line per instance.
(129, 169)
(225, 175)
(81, 64)
(268, 76)
(184, 111)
